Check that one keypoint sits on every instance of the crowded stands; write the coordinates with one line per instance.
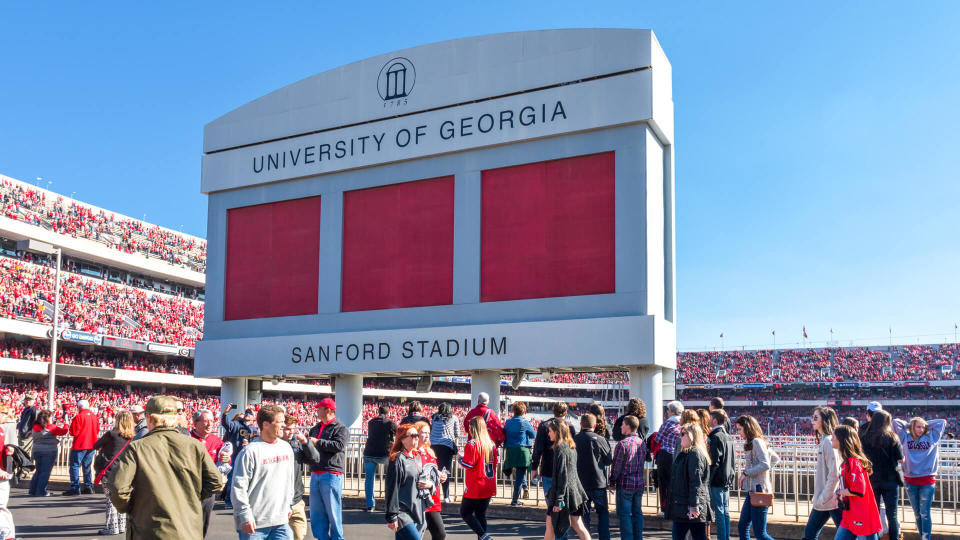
(71, 218)
(96, 306)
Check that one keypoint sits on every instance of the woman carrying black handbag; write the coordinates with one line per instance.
(882, 447)
(689, 505)
(109, 446)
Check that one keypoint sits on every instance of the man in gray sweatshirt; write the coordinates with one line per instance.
(262, 490)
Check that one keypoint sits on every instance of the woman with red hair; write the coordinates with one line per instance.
(405, 484)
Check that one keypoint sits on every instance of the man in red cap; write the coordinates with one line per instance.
(326, 483)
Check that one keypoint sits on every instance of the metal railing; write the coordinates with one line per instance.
(792, 480)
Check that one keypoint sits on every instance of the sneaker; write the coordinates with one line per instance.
(661, 515)
(70, 493)
(369, 509)
(526, 493)
(448, 499)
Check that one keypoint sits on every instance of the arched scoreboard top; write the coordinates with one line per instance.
(493, 202)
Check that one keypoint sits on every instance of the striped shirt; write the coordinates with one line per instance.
(628, 457)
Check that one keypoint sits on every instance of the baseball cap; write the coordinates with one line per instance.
(874, 406)
(136, 409)
(328, 403)
(161, 405)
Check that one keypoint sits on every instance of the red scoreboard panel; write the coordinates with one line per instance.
(273, 255)
(398, 246)
(548, 229)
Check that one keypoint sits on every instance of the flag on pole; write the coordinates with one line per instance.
(773, 333)
(804, 331)
(721, 335)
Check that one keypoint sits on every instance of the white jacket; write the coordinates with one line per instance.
(827, 477)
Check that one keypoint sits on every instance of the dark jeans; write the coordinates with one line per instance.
(206, 506)
(597, 499)
(664, 468)
(445, 461)
(755, 516)
(44, 462)
(697, 530)
(519, 482)
(409, 532)
(435, 526)
(474, 514)
(81, 459)
(889, 493)
(816, 521)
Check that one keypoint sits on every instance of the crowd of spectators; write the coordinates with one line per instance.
(39, 351)
(848, 364)
(68, 217)
(822, 393)
(97, 306)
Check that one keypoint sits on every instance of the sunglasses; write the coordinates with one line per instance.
(408, 435)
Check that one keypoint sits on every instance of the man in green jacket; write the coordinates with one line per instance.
(161, 479)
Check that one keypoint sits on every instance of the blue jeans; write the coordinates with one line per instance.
(597, 499)
(78, 459)
(226, 495)
(889, 494)
(519, 482)
(818, 518)
(845, 534)
(720, 504)
(277, 532)
(921, 499)
(753, 515)
(630, 512)
(546, 482)
(326, 516)
(410, 532)
(369, 475)
(44, 462)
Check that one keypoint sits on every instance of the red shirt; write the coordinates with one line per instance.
(426, 458)
(53, 429)
(863, 518)
(211, 443)
(480, 479)
(494, 425)
(84, 429)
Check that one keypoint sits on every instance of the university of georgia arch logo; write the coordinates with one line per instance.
(396, 81)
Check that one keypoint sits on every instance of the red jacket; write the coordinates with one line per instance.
(85, 430)
(494, 426)
(863, 518)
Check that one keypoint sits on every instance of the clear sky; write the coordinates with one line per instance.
(817, 143)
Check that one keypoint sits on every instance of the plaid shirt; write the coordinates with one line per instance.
(669, 435)
(628, 456)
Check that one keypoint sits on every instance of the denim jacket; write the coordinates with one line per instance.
(519, 432)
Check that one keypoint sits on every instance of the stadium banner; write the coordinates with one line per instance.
(846, 385)
(124, 343)
(916, 383)
(618, 341)
(163, 349)
(882, 383)
(81, 337)
(753, 385)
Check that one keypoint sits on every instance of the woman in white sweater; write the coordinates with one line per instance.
(759, 458)
(827, 477)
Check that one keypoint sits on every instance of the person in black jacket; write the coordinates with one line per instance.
(541, 461)
(109, 446)
(381, 431)
(593, 458)
(716, 404)
(326, 483)
(413, 414)
(722, 471)
(304, 453)
(25, 426)
(883, 449)
(689, 503)
(566, 500)
(233, 433)
(635, 407)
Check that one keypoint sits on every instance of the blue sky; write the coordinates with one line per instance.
(817, 142)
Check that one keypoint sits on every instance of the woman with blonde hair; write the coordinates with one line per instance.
(921, 444)
(431, 469)
(479, 460)
(689, 504)
(109, 447)
(566, 500)
(759, 458)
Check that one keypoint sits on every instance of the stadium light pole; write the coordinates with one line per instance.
(46, 249)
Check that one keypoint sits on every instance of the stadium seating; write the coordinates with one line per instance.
(71, 218)
(97, 306)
